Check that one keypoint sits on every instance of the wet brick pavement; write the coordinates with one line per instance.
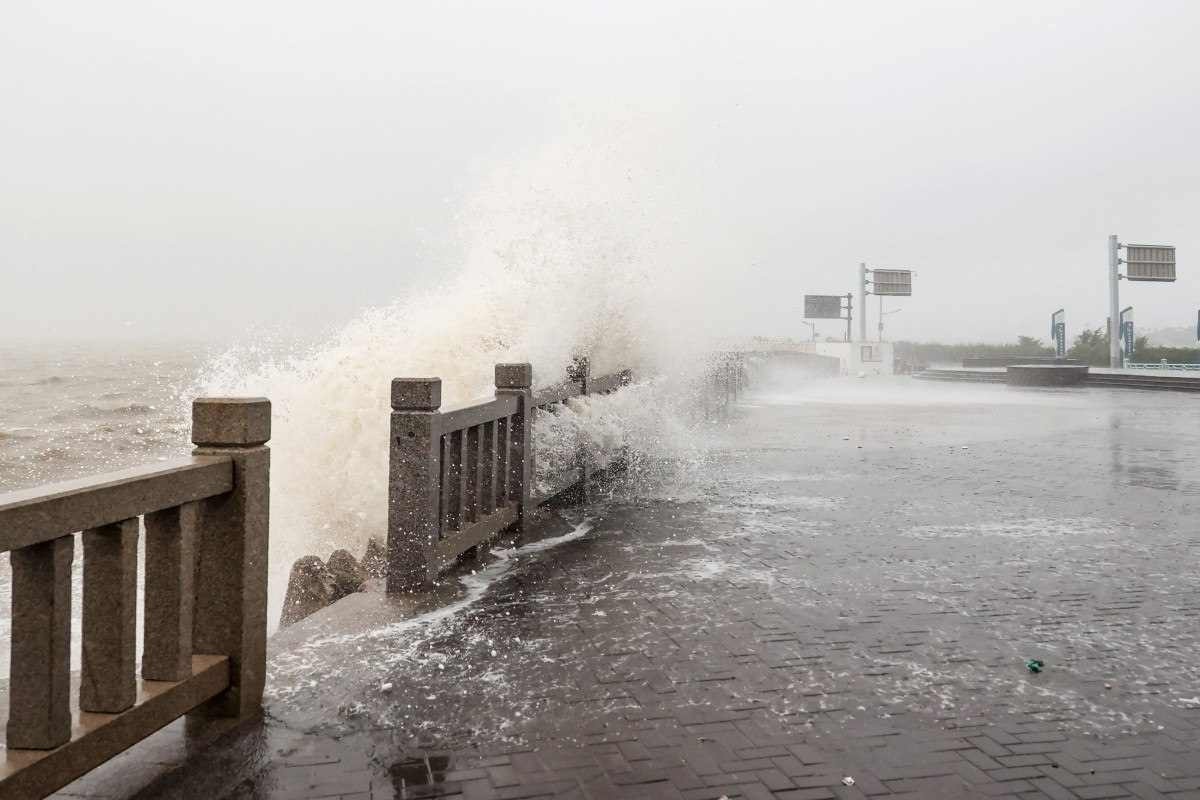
(853, 592)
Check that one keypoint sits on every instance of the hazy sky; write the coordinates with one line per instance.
(200, 168)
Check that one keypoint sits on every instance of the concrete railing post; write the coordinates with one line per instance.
(414, 478)
(581, 371)
(230, 610)
(517, 379)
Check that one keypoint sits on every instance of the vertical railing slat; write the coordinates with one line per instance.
(583, 374)
(39, 686)
(503, 427)
(471, 474)
(108, 682)
(445, 481)
(464, 478)
(170, 593)
(452, 482)
(487, 469)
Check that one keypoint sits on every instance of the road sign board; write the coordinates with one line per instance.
(1058, 332)
(1149, 262)
(891, 282)
(823, 306)
(1126, 331)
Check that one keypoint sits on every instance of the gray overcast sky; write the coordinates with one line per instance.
(200, 168)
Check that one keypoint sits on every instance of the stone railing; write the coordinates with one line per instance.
(579, 383)
(727, 377)
(458, 477)
(204, 647)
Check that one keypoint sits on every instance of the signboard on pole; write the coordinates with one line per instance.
(1149, 262)
(1127, 331)
(823, 306)
(1058, 332)
(894, 282)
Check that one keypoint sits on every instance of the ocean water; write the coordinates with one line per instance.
(68, 410)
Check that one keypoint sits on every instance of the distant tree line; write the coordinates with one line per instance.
(938, 353)
(1089, 347)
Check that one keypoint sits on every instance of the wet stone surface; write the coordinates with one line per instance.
(855, 593)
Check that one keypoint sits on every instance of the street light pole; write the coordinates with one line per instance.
(1114, 303)
(850, 316)
(882, 315)
(862, 302)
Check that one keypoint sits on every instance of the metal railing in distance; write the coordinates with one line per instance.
(204, 649)
(1161, 365)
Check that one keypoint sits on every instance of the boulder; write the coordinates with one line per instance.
(374, 561)
(348, 575)
(310, 588)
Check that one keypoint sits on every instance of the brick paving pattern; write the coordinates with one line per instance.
(852, 594)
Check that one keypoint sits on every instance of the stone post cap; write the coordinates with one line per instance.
(579, 369)
(514, 376)
(231, 421)
(416, 394)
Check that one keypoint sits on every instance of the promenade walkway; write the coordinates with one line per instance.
(843, 608)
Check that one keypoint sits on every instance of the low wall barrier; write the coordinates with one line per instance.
(459, 477)
(204, 647)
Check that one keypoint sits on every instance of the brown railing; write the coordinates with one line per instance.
(579, 383)
(204, 649)
(459, 477)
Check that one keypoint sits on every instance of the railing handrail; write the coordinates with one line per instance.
(570, 388)
(477, 412)
(610, 382)
(557, 393)
(43, 513)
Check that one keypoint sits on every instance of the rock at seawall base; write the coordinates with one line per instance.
(315, 584)
(310, 588)
(374, 561)
(348, 575)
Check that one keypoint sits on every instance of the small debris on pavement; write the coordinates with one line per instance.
(1034, 665)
